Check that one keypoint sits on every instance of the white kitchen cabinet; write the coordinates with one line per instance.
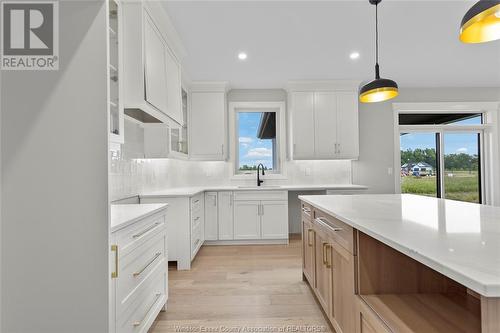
(225, 219)
(247, 222)
(208, 123)
(152, 73)
(139, 274)
(261, 215)
(187, 228)
(324, 121)
(274, 219)
(155, 65)
(303, 124)
(211, 216)
(348, 125)
(116, 115)
(325, 125)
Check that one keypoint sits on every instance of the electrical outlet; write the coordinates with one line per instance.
(389, 171)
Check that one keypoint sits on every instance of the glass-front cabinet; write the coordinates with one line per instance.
(179, 134)
(115, 104)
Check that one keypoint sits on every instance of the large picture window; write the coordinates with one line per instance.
(441, 155)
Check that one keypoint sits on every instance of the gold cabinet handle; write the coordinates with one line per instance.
(328, 260)
(324, 253)
(114, 248)
(136, 274)
(139, 322)
(309, 238)
(146, 230)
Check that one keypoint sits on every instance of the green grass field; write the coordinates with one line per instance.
(462, 186)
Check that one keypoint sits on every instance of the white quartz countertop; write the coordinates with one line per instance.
(460, 240)
(190, 191)
(123, 215)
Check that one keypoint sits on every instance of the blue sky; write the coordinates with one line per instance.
(454, 143)
(253, 150)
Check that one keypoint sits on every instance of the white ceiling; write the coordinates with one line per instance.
(308, 40)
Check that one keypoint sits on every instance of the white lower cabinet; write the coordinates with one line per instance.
(225, 215)
(274, 219)
(187, 228)
(247, 220)
(211, 216)
(139, 274)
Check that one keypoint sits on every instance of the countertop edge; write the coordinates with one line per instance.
(291, 188)
(486, 290)
(126, 223)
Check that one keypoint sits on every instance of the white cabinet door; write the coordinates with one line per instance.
(325, 124)
(225, 212)
(208, 126)
(247, 220)
(155, 66)
(348, 125)
(303, 125)
(174, 88)
(211, 229)
(274, 216)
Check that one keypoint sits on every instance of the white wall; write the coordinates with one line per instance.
(377, 131)
(54, 195)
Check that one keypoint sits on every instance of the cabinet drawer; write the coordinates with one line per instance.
(137, 267)
(338, 230)
(134, 235)
(196, 240)
(260, 195)
(306, 211)
(196, 203)
(367, 320)
(144, 308)
(196, 219)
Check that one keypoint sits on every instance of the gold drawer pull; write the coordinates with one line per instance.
(328, 260)
(114, 248)
(329, 224)
(309, 238)
(139, 322)
(136, 274)
(146, 230)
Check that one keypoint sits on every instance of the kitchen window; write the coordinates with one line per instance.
(257, 130)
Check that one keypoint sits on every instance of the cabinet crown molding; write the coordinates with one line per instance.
(209, 86)
(323, 85)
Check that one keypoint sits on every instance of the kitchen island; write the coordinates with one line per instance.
(403, 263)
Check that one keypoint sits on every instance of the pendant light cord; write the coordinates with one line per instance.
(377, 74)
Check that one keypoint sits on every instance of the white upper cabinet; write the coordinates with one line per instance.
(152, 73)
(303, 124)
(348, 125)
(324, 120)
(207, 120)
(325, 124)
(155, 66)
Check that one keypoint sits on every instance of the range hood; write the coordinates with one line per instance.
(142, 116)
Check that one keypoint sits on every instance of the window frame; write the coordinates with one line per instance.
(280, 145)
(489, 143)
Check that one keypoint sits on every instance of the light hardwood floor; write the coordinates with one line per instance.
(239, 288)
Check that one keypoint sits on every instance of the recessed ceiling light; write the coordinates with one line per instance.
(354, 55)
(242, 56)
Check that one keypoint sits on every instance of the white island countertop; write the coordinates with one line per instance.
(191, 191)
(460, 240)
(124, 215)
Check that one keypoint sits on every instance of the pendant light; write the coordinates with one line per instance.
(481, 23)
(379, 89)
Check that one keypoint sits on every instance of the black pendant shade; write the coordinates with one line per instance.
(481, 23)
(379, 89)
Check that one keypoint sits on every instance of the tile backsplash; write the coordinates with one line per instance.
(131, 174)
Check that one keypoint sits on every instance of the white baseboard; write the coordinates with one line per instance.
(247, 242)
